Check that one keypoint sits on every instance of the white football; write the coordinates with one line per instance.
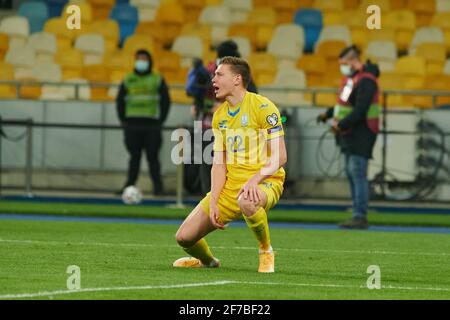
(131, 195)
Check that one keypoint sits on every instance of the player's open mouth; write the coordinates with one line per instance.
(216, 89)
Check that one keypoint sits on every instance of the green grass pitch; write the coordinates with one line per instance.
(133, 261)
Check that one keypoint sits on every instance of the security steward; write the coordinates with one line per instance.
(143, 103)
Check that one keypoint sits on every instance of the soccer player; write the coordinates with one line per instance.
(246, 177)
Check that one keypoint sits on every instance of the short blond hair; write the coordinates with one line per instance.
(238, 66)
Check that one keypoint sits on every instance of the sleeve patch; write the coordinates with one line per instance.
(272, 119)
(274, 129)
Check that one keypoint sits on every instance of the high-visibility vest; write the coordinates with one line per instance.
(142, 99)
(343, 107)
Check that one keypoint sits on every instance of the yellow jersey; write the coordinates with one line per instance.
(242, 131)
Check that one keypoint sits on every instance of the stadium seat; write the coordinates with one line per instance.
(424, 10)
(311, 21)
(200, 30)
(383, 34)
(44, 45)
(71, 62)
(146, 9)
(442, 20)
(188, 47)
(404, 24)
(397, 4)
(392, 81)
(109, 29)
(49, 72)
(119, 64)
(442, 6)
(85, 11)
(385, 5)
(193, 8)
(426, 35)
(439, 83)
(127, 18)
(326, 5)
(244, 46)
(383, 52)
(243, 30)
(152, 30)
(7, 74)
(101, 8)
(333, 18)
(4, 45)
(413, 69)
(330, 49)
(93, 47)
(447, 67)
(263, 19)
(55, 7)
(17, 28)
(36, 13)
(285, 10)
(64, 36)
(264, 68)
(434, 55)
(219, 18)
(97, 74)
(351, 4)
(315, 67)
(23, 59)
(70, 92)
(239, 9)
(169, 65)
(136, 42)
(287, 44)
(171, 19)
(356, 21)
(286, 84)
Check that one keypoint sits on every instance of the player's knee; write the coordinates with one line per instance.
(182, 240)
(248, 207)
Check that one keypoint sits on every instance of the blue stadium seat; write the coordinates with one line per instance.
(36, 12)
(55, 7)
(127, 18)
(312, 22)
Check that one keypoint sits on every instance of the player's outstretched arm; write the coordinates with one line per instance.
(278, 157)
(218, 177)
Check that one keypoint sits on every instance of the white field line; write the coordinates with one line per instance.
(111, 244)
(203, 284)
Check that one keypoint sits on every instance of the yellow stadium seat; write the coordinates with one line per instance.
(385, 5)
(351, 4)
(330, 49)
(261, 3)
(4, 45)
(434, 55)
(136, 42)
(119, 64)
(413, 69)
(356, 21)
(386, 34)
(333, 18)
(424, 11)
(264, 67)
(208, 56)
(326, 5)
(153, 30)
(243, 30)
(315, 67)
(200, 30)
(392, 81)
(192, 9)
(99, 74)
(64, 36)
(397, 4)
(169, 65)
(171, 18)
(85, 9)
(262, 16)
(7, 74)
(285, 10)
(263, 36)
(442, 20)
(179, 96)
(439, 83)
(101, 8)
(404, 24)
(110, 31)
(71, 62)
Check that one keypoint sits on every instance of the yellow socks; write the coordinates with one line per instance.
(260, 227)
(201, 251)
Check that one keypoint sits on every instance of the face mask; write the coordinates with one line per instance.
(346, 70)
(141, 65)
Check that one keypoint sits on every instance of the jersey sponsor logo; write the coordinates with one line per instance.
(274, 129)
(265, 105)
(272, 119)
(223, 124)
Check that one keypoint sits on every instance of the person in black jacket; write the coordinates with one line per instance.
(356, 125)
(143, 104)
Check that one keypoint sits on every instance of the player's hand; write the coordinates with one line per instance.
(335, 129)
(214, 216)
(250, 191)
(321, 118)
